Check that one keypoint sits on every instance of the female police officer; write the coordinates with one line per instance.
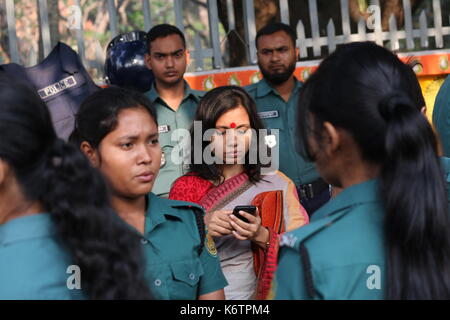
(118, 132)
(52, 227)
(386, 234)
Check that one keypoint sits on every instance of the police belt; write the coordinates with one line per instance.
(308, 191)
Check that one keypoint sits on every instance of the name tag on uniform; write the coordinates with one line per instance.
(163, 129)
(268, 114)
(57, 87)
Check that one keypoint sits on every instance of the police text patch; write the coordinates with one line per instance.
(57, 87)
(268, 114)
(163, 129)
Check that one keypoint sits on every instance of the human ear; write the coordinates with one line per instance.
(188, 57)
(331, 138)
(147, 59)
(90, 153)
(3, 171)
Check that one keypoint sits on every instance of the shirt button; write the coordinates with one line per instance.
(192, 276)
(157, 282)
(144, 241)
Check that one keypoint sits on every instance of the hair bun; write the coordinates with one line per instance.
(393, 104)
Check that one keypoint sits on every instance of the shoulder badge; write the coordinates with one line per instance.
(210, 245)
(288, 240)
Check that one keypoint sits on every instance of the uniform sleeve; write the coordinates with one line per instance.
(213, 278)
(297, 215)
(289, 283)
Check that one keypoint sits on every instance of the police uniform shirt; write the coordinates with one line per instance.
(62, 83)
(445, 163)
(281, 115)
(33, 266)
(441, 116)
(171, 240)
(345, 244)
(169, 121)
(344, 247)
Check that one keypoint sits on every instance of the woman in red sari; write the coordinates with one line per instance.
(233, 174)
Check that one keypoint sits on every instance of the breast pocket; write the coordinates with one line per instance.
(186, 277)
(272, 119)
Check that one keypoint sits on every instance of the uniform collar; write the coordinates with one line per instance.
(26, 228)
(159, 209)
(264, 88)
(153, 94)
(354, 195)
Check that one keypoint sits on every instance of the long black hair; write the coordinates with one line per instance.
(366, 90)
(60, 177)
(211, 107)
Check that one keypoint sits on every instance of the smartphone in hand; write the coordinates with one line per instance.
(248, 209)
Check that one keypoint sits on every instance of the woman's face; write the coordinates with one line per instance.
(233, 135)
(130, 154)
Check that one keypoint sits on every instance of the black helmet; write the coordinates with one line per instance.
(125, 64)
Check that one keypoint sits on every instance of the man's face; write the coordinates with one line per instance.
(167, 59)
(276, 57)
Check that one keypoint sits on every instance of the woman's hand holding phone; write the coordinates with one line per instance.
(218, 223)
(251, 230)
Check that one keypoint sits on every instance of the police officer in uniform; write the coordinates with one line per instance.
(177, 267)
(59, 238)
(385, 236)
(276, 97)
(117, 130)
(174, 100)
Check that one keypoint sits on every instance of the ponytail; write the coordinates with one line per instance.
(106, 250)
(366, 90)
(412, 185)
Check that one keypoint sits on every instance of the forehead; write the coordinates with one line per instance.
(274, 40)
(238, 115)
(134, 121)
(168, 44)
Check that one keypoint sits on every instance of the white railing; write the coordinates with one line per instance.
(407, 38)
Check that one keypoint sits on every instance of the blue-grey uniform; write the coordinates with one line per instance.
(341, 253)
(170, 120)
(33, 265)
(171, 241)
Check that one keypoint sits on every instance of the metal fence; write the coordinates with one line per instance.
(316, 43)
(393, 36)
